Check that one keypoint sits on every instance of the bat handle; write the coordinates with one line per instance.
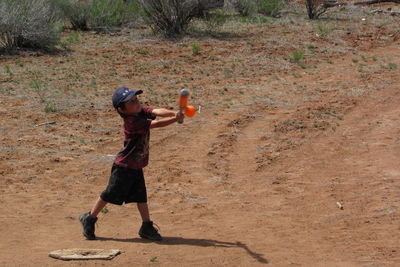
(180, 112)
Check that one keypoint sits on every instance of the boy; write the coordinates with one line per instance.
(126, 183)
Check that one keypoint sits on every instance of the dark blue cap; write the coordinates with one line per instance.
(123, 94)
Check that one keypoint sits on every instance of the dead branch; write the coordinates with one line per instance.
(328, 4)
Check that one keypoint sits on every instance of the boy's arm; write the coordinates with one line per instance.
(163, 112)
(166, 121)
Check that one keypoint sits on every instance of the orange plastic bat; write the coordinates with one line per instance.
(189, 111)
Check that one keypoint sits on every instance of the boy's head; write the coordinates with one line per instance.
(125, 101)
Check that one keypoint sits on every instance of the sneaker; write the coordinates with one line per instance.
(88, 222)
(148, 231)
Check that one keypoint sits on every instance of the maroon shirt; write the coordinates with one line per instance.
(135, 153)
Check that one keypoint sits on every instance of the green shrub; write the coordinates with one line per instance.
(112, 13)
(246, 7)
(270, 7)
(98, 14)
(265, 7)
(76, 12)
(29, 24)
(169, 17)
(214, 20)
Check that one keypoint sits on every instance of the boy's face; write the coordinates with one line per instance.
(132, 106)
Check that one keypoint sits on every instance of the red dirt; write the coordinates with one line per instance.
(238, 185)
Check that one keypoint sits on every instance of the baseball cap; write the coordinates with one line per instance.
(123, 94)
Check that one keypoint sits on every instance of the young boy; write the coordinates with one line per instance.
(126, 182)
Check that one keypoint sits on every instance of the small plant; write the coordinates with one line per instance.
(325, 29)
(364, 58)
(142, 52)
(104, 210)
(39, 90)
(196, 49)
(312, 47)
(392, 66)
(8, 70)
(73, 37)
(297, 56)
(50, 107)
(354, 60)
(153, 259)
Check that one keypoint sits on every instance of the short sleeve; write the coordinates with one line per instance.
(148, 112)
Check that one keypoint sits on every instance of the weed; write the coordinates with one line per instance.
(142, 52)
(104, 210)
(8, 70)
(196, 49)
(325, 29)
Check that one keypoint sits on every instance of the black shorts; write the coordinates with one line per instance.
(126, 185)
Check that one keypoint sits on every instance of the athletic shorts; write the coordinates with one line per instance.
(126, 185)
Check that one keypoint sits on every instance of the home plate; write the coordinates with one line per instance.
(84, 254)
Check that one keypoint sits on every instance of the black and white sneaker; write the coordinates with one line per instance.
(88, 224)
(148, 231)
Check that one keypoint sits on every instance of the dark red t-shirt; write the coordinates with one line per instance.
(135, 153)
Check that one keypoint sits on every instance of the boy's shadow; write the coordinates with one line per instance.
(192, 242)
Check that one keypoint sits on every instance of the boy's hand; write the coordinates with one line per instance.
(179, 116)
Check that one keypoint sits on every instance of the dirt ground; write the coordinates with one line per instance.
(252, 180)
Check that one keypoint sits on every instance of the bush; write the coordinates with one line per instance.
(246, 7)
(315, 8)
(265, 7)
(98, 14)
(270, 7)
(28, 23)
(170, 17)
(76, 12)
(214, 20)
(112, 13)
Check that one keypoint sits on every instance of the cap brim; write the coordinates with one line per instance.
(131, 94)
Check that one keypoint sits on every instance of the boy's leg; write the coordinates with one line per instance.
(147, 229)
(144, 211)
(98, 206)
(89, 219)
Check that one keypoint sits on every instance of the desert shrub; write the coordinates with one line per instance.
(98, 14)
(252, 7)
(214, 20)
(315, 8)
(29, 24)
(169, 17)
(269, 7)
(246, 7)
(76, 12)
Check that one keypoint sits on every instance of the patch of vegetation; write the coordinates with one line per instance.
(324, 29)
(28, 24)
(196, 49)
(297, 58)
(100, 15)
(248, 8)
